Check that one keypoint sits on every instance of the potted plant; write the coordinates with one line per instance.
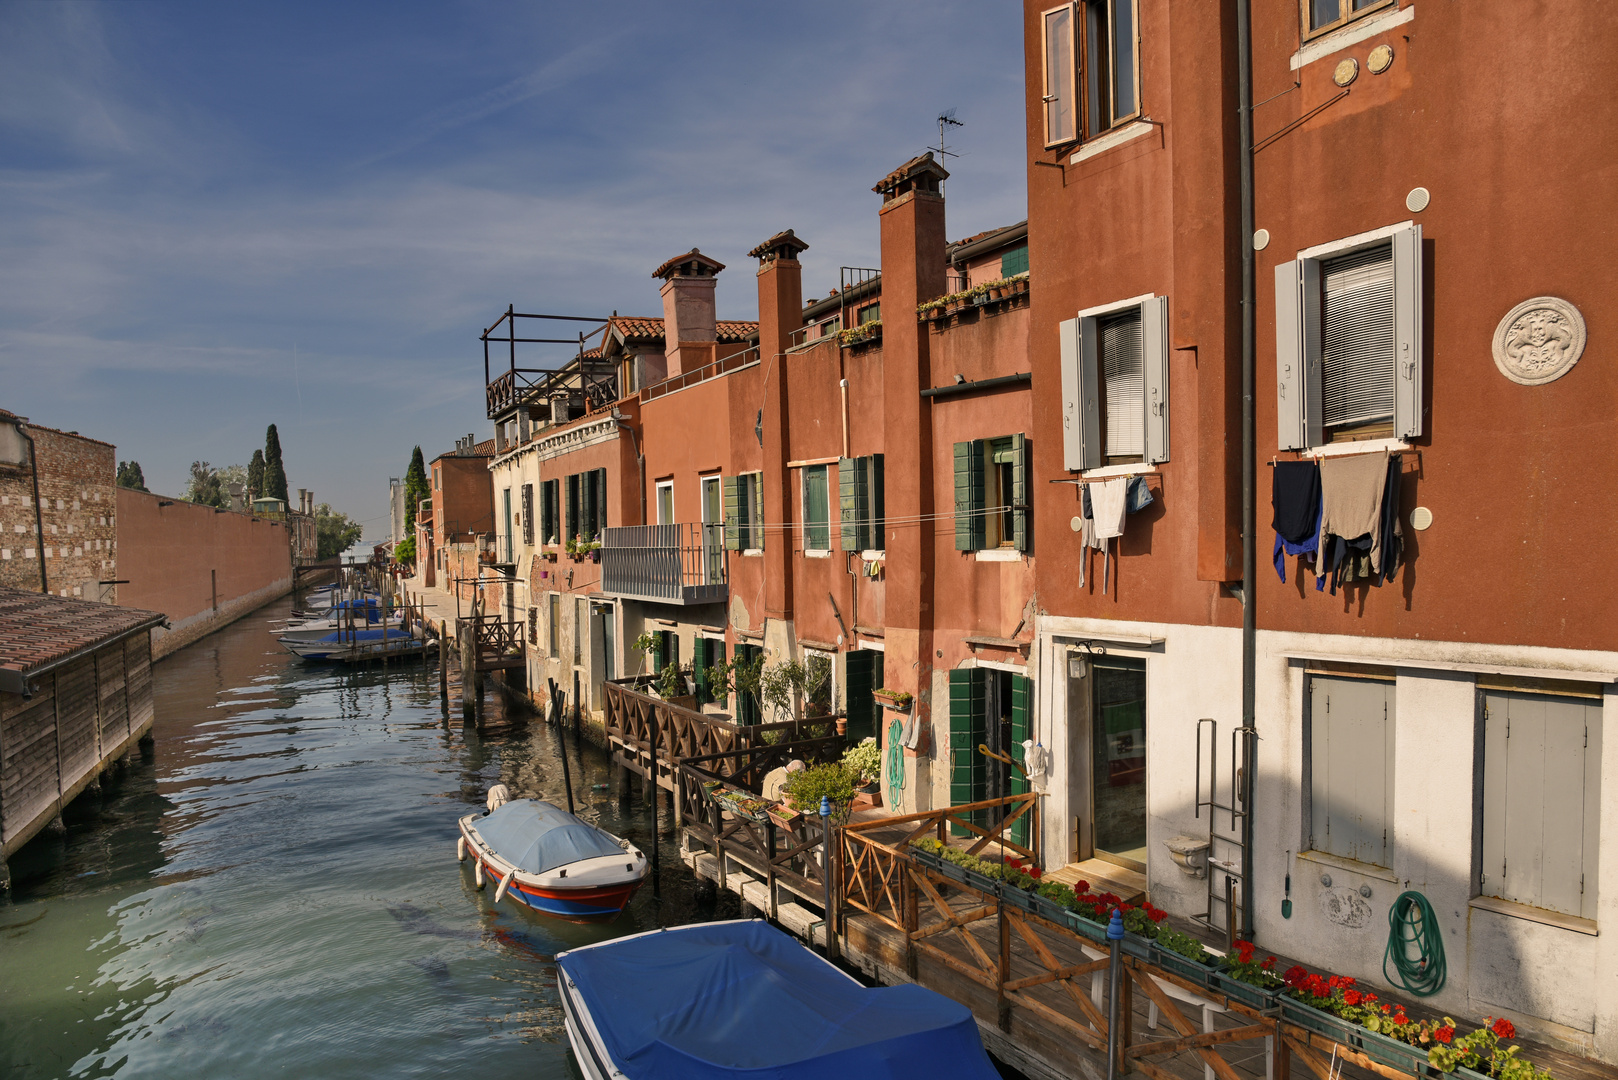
(805, 789)
(864, 764)
(1248, 980)
(997, 289)
(672, 687)
(897, 700)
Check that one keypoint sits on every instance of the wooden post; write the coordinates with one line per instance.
(1126, 1019)
(769, 867)
(648, 788)
(828, 848)
(717, 816)
(1003, 975)
(912, 919)
(443, 667)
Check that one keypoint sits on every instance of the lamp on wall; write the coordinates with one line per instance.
(13, 434)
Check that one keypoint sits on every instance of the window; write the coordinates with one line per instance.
(705, 653)
(575, 507)
(1092, 60)
(860, 502)
(533, 626)
(665, 502)
(528, 515)
(1115, 385)
(1348, 347)
(437, 478)
(747, 704)
(1349, 756)
(816, 509)
(1320, 16)
(1541, 801)
(991, 494)
(553, 621)
(1014, 262)
(744, 511)
(505, 505)
(665, 650)
(870, 313)
(550, 492)
(579, 617)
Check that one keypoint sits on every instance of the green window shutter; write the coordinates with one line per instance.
(816, 510)
(1014, 262)
(968, 775)
(1019, 491)
(660, 651)
(876, 501)
(733, 531)
(588, 526)
(1022, 713)
(755, 504)
(848, 503)
(968, 495)
(716, 656)
(572, 507)
(699, 672)
(601, 500)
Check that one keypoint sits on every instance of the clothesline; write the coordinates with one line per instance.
(1273, 462)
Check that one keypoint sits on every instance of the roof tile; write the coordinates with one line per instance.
(37, 629)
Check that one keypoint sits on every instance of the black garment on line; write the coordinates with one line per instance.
(1295, 495)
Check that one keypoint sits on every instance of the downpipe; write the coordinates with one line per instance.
(1244, 92)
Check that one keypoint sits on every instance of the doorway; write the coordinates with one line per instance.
(713, 526)
(1107, 722)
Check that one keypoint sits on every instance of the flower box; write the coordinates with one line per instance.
(1378, 1047)
(740, 803)
(892, 699)
(1256, 997)
(1191, 970)
(784, 816)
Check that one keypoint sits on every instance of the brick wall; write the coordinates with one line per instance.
(78, 510)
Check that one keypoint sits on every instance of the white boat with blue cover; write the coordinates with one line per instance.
(342, 644)
(734, 1000)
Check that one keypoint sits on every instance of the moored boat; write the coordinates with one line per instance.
(546, 859)
(343, 644)
(742, 999)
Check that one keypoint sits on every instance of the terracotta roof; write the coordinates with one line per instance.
(69, 434)
(651, 329)
(39, 632)
(786, 239)
(920, 166)
(711, 266)
(484, 449)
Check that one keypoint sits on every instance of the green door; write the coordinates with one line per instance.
(968, 775)
(864, 674)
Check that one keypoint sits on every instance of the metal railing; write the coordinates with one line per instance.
(723, 366)
(674, 564)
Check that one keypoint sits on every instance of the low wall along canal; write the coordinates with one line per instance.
(272, 889)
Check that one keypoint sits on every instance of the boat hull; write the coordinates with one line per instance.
(591, 901)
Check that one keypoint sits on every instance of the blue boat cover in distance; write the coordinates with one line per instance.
(742, 999)
(536, 837)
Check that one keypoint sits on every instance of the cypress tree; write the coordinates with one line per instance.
(255, 476)
(415, 485)
(275, 474)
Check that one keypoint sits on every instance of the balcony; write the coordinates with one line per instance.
(665, 564)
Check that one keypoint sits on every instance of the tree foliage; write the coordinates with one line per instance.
(335, 533)
(415, 485)
(275, 474)
(405, 550)
(255, 476)
(130, 476)
(204, 486)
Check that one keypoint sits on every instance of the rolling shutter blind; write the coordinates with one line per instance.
(1019, 492)
(528, 515)
(1541, 801)
(968, 774)
(1125, 385)
(1351, 724)
(1356, 337)
(1061, 75)
(968, 495)
(1154, 322)
(733, 513)
(1081, 443)
(1407, 321)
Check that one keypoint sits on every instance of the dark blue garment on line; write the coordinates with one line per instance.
(723, 1001)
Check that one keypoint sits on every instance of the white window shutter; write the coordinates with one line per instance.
(1154, 324)
(1289, 375)
(1080, 415)
(1407, 322)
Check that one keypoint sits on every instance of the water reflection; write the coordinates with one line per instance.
(276, 890)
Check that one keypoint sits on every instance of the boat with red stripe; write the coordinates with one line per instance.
(549, 860)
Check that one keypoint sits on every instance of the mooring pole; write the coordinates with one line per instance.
(1115, 970)
(567, 775)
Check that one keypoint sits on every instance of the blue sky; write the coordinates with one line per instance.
(219, 216)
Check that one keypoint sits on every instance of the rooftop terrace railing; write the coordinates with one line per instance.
(671, 564)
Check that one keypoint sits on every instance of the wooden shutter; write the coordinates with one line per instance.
(733, 529)
(1297, 354)
(816, 509)
(587, 482)
(1020, 505)
(547, 513)
(1356, 337)
(1061, 97)
(1407, 338)
(756, 506)
(968, 495)
(1022, 715)
(1154, 325)
(1120, 357)
(528, 515)
(699, 670)
(572, 507)
(850, 504)
(1081, 416)
(858, 703)
(1351, 725)
(601, 500)
(968, 775)
(1541, 801)
(1014, 262)
(876, 502)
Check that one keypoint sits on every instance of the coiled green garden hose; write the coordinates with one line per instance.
(896, 756)
(1412, 925)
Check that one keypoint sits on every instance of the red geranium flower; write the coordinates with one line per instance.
(1444, 1034)
(1367, 997)
(1013, 862)
(1401, 1020)
(1504, 1028)
(1244, 952)
(1081, 887)
(1268, 965)
(1351, 997)
(1035, 872)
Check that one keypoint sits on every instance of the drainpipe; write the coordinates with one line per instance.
(1244, 106)
(844, 386)
(39, 523)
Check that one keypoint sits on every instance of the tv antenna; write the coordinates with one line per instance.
(946, 119)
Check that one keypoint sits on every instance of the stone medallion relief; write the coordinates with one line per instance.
(1539, 341)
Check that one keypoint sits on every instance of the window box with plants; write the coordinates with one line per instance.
(897, 700)
(580, 548)
(933, 310)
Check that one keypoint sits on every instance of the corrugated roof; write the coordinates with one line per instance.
(39, 632)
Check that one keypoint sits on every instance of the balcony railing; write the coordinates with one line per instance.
(723, 366)
(668, 564)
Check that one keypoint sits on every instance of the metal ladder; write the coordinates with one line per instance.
(1226, 886)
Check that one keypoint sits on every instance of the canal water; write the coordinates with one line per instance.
(273, 891)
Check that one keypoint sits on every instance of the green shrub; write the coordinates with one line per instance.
(863, 761)
(805, 789)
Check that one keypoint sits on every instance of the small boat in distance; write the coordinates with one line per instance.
(369, 643)
(549, 860)
(723, 1000)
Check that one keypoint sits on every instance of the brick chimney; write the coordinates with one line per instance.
(689, 331)
(780, 314)
(913, 270)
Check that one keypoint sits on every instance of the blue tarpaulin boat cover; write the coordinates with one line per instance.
(536, 837)
(742, 999)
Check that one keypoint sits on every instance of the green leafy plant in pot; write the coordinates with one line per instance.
(805, 789)
(864, 764)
